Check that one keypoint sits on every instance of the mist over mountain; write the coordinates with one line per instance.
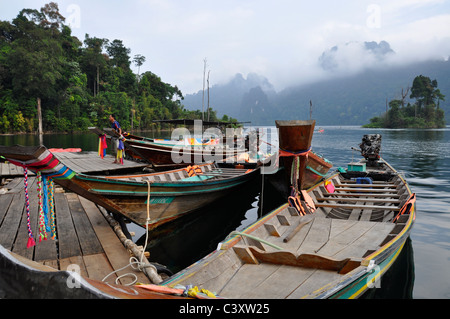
(360, 78)
(355, 55)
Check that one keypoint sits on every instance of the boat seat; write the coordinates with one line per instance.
(253, 255)
(196, 178)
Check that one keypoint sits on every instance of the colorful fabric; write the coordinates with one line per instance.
(102, 146)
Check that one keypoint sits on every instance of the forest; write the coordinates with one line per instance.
(76, 84)
(424, 113)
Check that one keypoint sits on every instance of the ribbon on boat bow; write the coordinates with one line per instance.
(295, 169)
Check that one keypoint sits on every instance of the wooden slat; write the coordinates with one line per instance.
(92, 162)
(67, 238)
(346, 199)
(350, 206)
(366, 185)
(280, 283)
(11, 221)
(20, 244)
(364, 190)
(247, 280)
(14, 170)
(4, 170)
(15, 186)
(317, 236)
(88, 239)
(98, 267)
(70, 263)
(116, 253)
(5, 201)
(359, 195)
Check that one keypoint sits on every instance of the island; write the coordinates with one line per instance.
(423, 113)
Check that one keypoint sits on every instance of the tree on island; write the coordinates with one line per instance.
(424, 113)
(45, 70)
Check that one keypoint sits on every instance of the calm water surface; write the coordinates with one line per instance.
(423, 156)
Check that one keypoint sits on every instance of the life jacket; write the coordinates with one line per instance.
(329, 187)
(193, 170)
(406, 207)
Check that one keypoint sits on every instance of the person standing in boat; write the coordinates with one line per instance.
(117, 142)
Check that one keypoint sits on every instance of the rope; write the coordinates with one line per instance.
(31, 241)
(45, 207)
(42, 233)
(51, 200)
(233, 233)
(295, 174)
(133, 261)
(284, 153)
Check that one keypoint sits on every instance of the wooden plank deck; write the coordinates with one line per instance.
(80, 162)
(84, 237)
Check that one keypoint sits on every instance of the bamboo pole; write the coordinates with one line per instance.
(149, 270)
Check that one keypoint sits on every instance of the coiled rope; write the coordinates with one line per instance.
(139, 264)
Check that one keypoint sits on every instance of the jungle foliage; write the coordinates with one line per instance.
(78, 83)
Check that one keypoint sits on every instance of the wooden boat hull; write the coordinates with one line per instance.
(317, 167)
(339, 251)
(21, 278)
(170, 153)
(175, 155)
(168, 200)
(159, 197)
(295, 142)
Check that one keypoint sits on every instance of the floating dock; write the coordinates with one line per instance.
(84, 236)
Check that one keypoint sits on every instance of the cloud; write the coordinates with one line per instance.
(281, 40)
(352, 57)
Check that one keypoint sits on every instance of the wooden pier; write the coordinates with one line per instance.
(80, 162)
(84, 237)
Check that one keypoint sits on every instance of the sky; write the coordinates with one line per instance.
(279, 39)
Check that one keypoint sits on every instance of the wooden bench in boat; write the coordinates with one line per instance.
(253, 255)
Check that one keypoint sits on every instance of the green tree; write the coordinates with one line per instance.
(78, 83)
(93, 61)
(425, 113)
(425, 91)
(139, 61)
(119, 54)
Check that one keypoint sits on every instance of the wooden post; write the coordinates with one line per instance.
(39, 113)
(203, 96)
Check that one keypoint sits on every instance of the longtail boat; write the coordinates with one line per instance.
(317, 167)
(168, 153)
(295, 152)
(296, 155)
(335, 241)
(166, 195)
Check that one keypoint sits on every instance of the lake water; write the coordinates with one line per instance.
(423, 156)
